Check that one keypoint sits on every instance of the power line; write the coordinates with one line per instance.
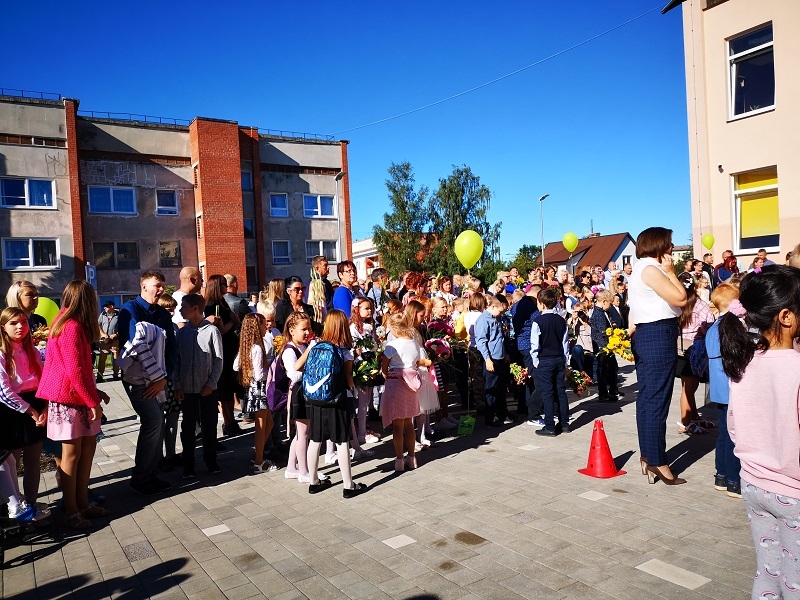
(502, 77)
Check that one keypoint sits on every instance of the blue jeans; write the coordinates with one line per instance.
(584, 361)
(151, 434)
(725, 460)
(549, 377)
(533, 394)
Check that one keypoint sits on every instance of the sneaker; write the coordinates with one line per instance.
(23, 513)
(287, 474)
(371, 439)
(720, 483)
(265, 467)
(538, 423)
(330, 459)
(418, 447)
(189, 474)
(214, 469)
(446, 425)
(307, 478)
(547, 432)
(359, 454)
(453, 419)
(734, 489)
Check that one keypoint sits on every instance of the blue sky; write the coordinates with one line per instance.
(602, 128)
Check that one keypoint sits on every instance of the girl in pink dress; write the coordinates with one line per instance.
(74, 412)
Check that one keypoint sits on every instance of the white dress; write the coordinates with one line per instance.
(427, 394)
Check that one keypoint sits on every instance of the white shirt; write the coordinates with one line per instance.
(469, 325)
(177, 318)
(646, 305)
(403, 353)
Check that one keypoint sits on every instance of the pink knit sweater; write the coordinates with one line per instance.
(68, 375)
(764, 421)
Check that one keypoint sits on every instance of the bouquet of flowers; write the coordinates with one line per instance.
(519, 282)
(438, 349)
(40, 335)
(381, 333)
(619, 342)
(519, 374)
(277, 342)
(367, 369)
(579, 381)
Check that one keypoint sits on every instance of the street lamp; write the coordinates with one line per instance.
(337, 179)
(541, 224)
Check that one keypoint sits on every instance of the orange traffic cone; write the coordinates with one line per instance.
(600, 463)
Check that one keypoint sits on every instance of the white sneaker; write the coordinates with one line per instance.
(307, 478)
(371, 439)
(331, 459)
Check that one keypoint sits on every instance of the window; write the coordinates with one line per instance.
(280, 252)
(757, 219)
(27, 193)
(166, 202)
(32, 254)
(112, 200)
(317, 248)
(318, 206)
(252, 278)
(199, 226)
(169, 254)
(249, 229)
(116, 255)
(278, 205)
(752, 72)
(247, 181)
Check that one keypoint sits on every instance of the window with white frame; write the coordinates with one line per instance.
(247, 181)
(27, 193)
(278, 205)
(752, 72)
(280, 252)
(116, 255)
(321, 248)
(112, 200)
(31, 254)
(756, 209)
(318, 206)
(166, 202)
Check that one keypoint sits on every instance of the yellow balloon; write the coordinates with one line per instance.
(47, 309)
(468, 248)
(570, 241)
(708, 241)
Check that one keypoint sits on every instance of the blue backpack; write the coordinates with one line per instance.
(323, 375)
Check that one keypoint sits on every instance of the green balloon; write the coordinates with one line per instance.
(708, 241)
(468, 248)
(47, 309)
(570, 241)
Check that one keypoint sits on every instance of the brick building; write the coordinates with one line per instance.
(127, 195)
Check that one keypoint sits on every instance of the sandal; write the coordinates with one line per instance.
(705, 423)
(691, 428)
(265, 467)
(95, 511)
(77, 522)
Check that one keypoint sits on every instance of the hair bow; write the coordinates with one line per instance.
(736, 308)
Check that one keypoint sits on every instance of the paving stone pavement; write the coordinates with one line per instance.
(496, 514)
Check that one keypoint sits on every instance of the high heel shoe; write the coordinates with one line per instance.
(643, 464)
(653, 472)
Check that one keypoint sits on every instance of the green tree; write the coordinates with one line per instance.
(402, 241)
(527, 257)
(460, 203)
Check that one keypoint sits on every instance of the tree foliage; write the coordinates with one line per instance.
(461, 203)
(402, 241)
(527, 257)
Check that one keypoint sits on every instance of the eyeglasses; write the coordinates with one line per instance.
(348, 271)
(297, 289)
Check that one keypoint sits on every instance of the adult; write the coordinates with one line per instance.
(276, 291)
(457, 284)
(511, 280)
(610, 273)
(762, 254)
(348, 290)
(322, 269)
(378, 293)
(699, 272)
(757, 264)
(793, 259)
(23, 294)
(708, 267)
(584, 280)
(191, 283)
(141, 391)
(293, 302)
(109, 339)
(656, 297)
(723, 272)
(74, 412)
(446, 290)
(235, 303)
(218, 312)
(627, 269)
(418, 287)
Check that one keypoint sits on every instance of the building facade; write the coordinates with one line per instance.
(743, 97)
(127, 196)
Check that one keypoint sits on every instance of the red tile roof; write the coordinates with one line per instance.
(596, 250)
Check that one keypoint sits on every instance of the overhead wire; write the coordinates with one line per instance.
(498, 79)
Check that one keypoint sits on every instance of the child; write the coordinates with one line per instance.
(727, 475)
(440, 322)
(399, 361)
(362, 325)
(251, 363)
(603, 317)
(550, 353)
(195, 377)
(764, 366)
(427, 396)
(569, 298)
(22, 414)
(334, 422)
(490, 342)
(476, 381)
(171, 408)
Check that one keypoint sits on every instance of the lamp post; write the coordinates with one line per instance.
(337, 179)
(541, 224)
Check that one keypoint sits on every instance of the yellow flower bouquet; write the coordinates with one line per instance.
(619, 342)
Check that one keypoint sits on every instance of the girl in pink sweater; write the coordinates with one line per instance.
(757, 342)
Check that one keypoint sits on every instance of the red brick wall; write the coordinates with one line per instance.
(248, 147)
(348, 234)
(218, 196)
(73, 171)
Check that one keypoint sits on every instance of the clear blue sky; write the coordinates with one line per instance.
(602, 128)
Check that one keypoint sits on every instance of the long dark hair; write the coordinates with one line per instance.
(763, 295)
(687, 281)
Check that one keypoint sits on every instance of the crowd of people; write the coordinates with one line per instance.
(391, 350)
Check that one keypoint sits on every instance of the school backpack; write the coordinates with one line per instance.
(278, 383)
(323, 375)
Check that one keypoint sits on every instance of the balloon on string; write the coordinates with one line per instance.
(570, 241)
(468, 248)
(47, 309)
(708, 241)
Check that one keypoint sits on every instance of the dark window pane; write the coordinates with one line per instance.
(100, 200)
(40, 193)
(44, 253)
(170, 254)
(103, 255)
(15, 254)
(167, 202)
(249, 229)
(310, 206)
(751, 40)
(252, 278)
(247, 181)
(127, 255)
(326, 203)
(124, 201)
(329, 251)
(754, 85)
(13, 191)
